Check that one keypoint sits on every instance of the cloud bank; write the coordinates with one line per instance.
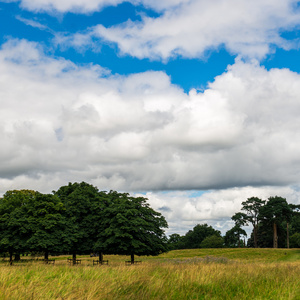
(61, 122)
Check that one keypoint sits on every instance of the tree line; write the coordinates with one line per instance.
(79, 219)
(275, 224)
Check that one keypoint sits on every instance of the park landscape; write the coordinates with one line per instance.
(82, 243)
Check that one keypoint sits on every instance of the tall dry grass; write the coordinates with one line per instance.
(162, 278)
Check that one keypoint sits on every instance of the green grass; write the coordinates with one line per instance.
(180, 274)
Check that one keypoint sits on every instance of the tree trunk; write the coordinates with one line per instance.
(17, 257)
(74, 258)
(132, 258)
(255, 235)
(46, 255)
(287, 235)
(10, 257)
(100, 257)
(275, 237)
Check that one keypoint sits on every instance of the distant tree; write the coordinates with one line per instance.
(174, 241)
(232, 236)
(295, 240)
(275, 212)
(231, 239)
(295, 220)
(13, 234)
(213, 241)
(131, 227)
(252, 208)
(240, 219)
(193, 238)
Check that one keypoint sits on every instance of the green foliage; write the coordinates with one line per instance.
(174, 241)
(212, 241)
(252, 208)
(45, 223)
(275, 212)
(131, 227)
(78, 219)
(13, 216)
(232, 237)
(82, 203)
(295, 240)
(194, 238)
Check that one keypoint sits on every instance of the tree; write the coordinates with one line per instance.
(14, 235)
(212, 241)
(240, 220)
(131, 227)
(174, 241)
(81, 201)
(295, 220)
(275, 212)
(45, 223)
(193, 238)
(295, 240)
(252, 208)
(232, 236)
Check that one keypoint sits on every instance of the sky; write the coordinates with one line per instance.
(193, 104)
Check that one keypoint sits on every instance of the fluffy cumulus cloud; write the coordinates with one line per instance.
(191, 28)
(60, 122)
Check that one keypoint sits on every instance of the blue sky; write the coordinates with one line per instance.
(187, 73)
(192, 103)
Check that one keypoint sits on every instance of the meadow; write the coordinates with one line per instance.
(181, 274)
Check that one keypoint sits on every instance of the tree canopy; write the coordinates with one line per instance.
(78, 218)
(131, 227)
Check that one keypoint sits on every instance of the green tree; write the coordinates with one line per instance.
(295, 220)
(131, 227)
(295, 240)
(232, 236)
(240, 219)
(81, 201)
(14, 235)
(213, 241)
(45, 223)
(252, 208)
(174, 241)
(275, 212)
(193, 238)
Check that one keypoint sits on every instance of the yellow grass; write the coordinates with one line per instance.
(185, 274)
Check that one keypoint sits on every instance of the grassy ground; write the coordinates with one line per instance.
(181, 274)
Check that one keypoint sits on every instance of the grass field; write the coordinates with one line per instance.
(180, 274)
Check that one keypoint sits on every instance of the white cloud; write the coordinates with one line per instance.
(88, 6)
(140, 132)
(78, 6)
(247, 28)
(186, 28)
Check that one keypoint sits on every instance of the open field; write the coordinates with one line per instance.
(181, 274)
